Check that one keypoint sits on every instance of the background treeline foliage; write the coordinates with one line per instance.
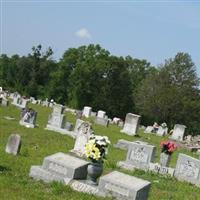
(90, 75)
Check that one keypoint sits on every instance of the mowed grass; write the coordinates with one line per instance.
(37, 143)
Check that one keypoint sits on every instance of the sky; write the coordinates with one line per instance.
(151, 30)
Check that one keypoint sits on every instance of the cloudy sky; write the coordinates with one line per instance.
(152, 30)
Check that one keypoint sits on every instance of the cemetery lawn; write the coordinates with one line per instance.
(15, 183)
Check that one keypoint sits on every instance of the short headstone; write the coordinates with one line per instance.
(116, 120)
(87, 111)
(149, 129)
(57, 121)
(93, 114)
(102, 121)
(83, 136)
(161, 131)
(101, 114)
(188, 169)
(139, 156)
(14, 144)
(60, 167)
(20, 102)
(178, 133)
(123, 186)
(122, 144)
(131, 124)
(4, 102)
(28, 118)
(157, 168)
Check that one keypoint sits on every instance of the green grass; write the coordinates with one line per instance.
(15, 183)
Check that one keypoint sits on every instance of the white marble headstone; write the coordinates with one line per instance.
(87, 111)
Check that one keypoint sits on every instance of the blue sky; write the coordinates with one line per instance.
(152, 30)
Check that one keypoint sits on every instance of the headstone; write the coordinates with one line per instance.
(123, 186)
(87, 111)
(161, 131)
(28, 118)
(101, 114)
(188, 169)
(57, 121)
(60, 167)
(178, 133)
(83, 136)
(131, 124)
(116, 120)
(122, 144)
(20, 102)
(93, 114)
(4, 102)
(102, 121)
(77, 125)
(155, 167)
(139, 156)
(149, 129)
(14, 144)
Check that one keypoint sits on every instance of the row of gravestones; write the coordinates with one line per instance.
(178, 131)
(72, 170)
(141, 155)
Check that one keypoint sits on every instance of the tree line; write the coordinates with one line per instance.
(90, 75)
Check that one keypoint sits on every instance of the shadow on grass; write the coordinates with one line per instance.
(4, 169)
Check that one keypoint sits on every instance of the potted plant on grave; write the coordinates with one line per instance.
(95, 151)
(167, 148)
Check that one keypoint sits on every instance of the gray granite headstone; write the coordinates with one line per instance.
(14, 144)
(102, 121)
(57, 121)
(188, 169)
(123, 186)
(139, 156)
(178, 133)
(131, 124)
(60, 167)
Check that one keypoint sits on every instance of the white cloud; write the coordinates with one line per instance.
(83, 33)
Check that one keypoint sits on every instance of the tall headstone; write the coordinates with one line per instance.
(178, 133)
(102, 121)
(60, 167)
(83, 136)
(139, 156)
(87, 111)
(188, 169)
(123, 186)
(14, 144)
(131, 124)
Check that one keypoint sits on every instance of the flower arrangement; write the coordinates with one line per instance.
(96, 148)
(168, 147)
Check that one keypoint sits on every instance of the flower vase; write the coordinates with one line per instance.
(94, 172)
(165, 159)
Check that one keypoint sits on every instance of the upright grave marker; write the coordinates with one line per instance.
(87, 111)
(28, 118)
(188, 169)
(131, 124)
(84, 133)
(14, 144)
(139, 156)
(178, 133)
